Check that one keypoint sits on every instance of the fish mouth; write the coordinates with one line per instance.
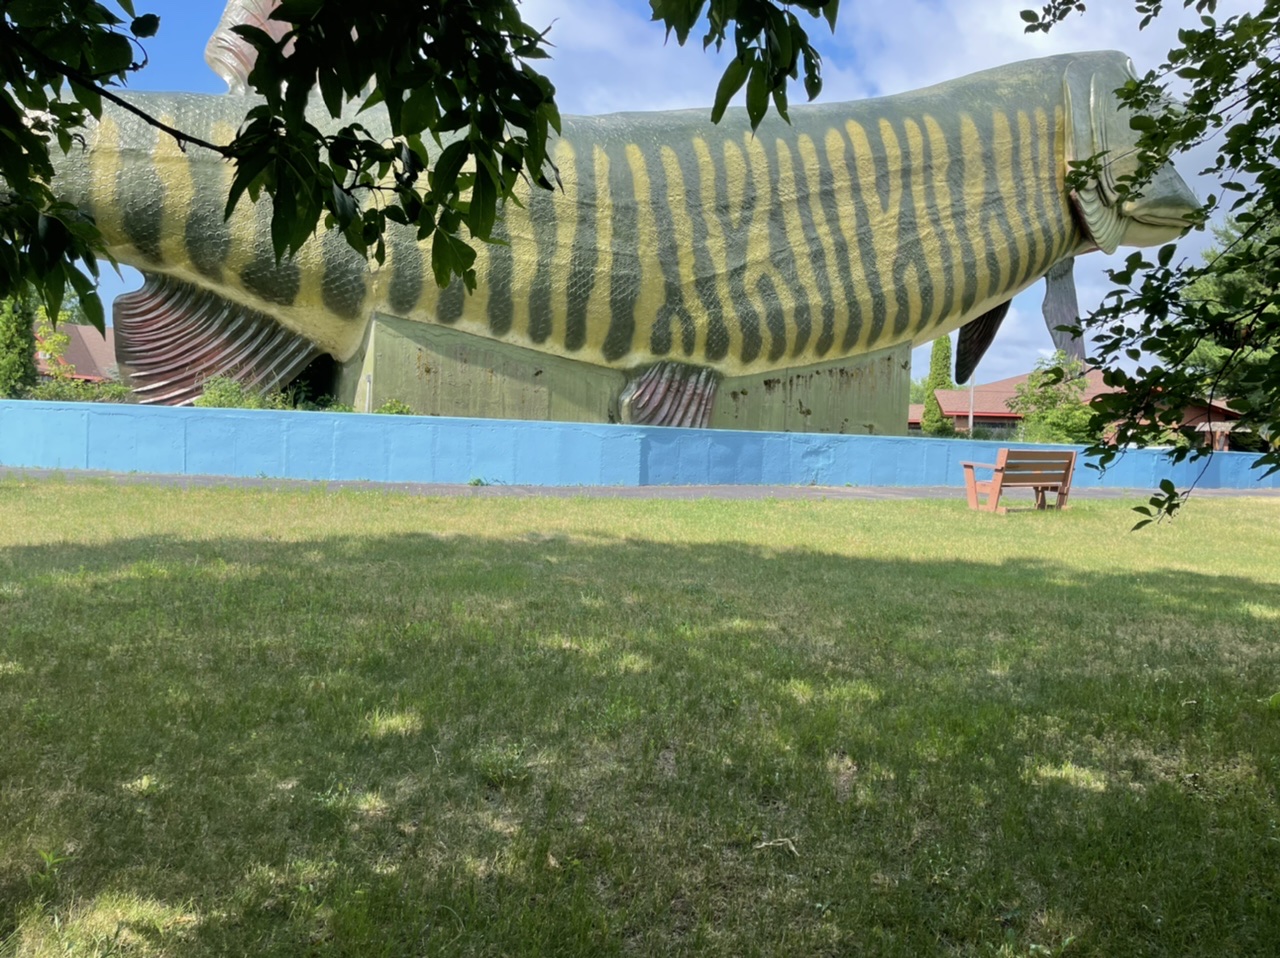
(1177, 218)
(1167, 201)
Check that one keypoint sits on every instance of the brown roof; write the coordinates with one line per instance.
(991, 400)
(89, 352)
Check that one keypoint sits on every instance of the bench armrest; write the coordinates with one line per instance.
(979, 465)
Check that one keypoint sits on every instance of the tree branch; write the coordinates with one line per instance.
(75, 76)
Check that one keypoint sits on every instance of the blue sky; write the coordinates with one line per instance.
(608, 56)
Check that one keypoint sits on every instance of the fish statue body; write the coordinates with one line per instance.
(676, 251)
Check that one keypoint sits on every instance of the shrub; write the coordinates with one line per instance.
(78, 390)
(395, 407)
(223, 392)
(17, 348)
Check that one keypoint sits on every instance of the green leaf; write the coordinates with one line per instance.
(830, 11)
(780, 102)
(145, 26)
(735, 74)
(450, 257)
(484, 203)
(444, 176)
(1273, 703)
(757, 94)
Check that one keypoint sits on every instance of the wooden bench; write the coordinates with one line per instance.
(1035, 469)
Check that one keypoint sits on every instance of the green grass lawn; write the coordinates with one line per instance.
(245, 722)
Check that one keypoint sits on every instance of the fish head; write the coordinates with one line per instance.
(1100, 126)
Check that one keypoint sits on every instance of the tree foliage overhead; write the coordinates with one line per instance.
(1227, 73)
(469, 115)
(57, 61)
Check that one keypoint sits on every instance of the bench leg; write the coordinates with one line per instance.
(971, 486)
(993, 497)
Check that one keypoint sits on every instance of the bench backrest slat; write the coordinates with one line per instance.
(1031, 466)
(1027, 455)
(1028, 477)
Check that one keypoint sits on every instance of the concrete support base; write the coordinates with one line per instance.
(440, 371)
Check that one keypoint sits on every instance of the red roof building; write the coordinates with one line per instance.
(990, 408)
(90, 355)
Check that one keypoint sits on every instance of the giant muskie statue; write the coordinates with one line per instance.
(677, 252)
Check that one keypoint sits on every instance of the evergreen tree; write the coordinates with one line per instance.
(17, 347)
(933, 422)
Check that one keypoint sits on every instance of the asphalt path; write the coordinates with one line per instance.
(498, 490)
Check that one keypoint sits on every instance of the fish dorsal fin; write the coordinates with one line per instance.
(1061, 308)
(230, 55)
(975, 336)
(171, 337)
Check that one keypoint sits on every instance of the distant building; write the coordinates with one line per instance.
(991, 412)
(90, 355)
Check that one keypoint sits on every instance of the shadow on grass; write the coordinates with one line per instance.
(421, 744)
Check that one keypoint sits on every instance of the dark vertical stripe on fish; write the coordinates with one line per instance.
(716, 346)
(736, 241)
(207, 234)
(272, 281)
(841, 248)
(542, 225)
(1010, 202)
(673, 307)
(452, 300)
(817, 257)
(859, 195)
(946, 301)
(910, 254)
(140, 192)
(1025, 176)
(783, 259)
(501, 308)
(774, 317)
(583, 257)
(996, 191)
(407, 269)
(958, 173)
(344, 285)
(624, 277)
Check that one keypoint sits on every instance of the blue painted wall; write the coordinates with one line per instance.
(312, 445)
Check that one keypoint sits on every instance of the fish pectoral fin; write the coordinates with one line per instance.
(1061, 308)
(230, 55)
(975, 336)
(171, 336)
(670, 394)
